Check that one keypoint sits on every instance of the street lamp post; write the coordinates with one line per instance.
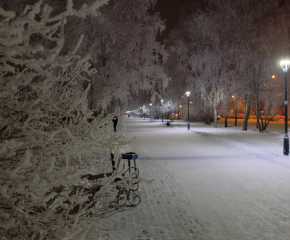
(150, 111)
(285, 65)
(188, 125)
(162, 109)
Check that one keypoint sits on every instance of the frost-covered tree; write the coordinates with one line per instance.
(123, 46)
(49, 139)
(226, 47)
(202, 52)
(262, 40)
(267, 90)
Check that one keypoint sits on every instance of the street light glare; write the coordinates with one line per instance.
(187, 94)
(285, 65)
(273, 76)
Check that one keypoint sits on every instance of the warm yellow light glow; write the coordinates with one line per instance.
(180, 106)
(273, 76)
(190, 102)
(233, 96)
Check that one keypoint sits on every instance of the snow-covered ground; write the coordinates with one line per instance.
(210, 183)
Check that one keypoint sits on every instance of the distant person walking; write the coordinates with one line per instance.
(115, 121)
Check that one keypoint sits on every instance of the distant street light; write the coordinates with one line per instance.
(162, 109)
(150, 111)
(188, 125)
(285, 65)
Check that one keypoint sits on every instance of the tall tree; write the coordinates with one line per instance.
(122, 42)
(226, 48)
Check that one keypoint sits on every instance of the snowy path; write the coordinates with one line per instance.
(209, 184)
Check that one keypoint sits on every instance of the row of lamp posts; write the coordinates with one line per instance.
(144, 112)
(188, 124)
(285, 65)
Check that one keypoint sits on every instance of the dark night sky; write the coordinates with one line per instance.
(170, 12)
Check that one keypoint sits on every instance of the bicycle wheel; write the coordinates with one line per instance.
(133, 199)
(121, 198)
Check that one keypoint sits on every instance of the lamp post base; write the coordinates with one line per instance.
(188, 126)
(286, 145)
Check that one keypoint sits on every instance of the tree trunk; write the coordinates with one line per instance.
(215, 115)
(226, 112)
(258, 125)
(207, 116)
(248, 106)
(268, 121)
(236, 111)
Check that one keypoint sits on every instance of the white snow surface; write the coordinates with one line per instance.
(210, 183)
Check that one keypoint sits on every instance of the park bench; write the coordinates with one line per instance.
(126, 169)
(169, 121)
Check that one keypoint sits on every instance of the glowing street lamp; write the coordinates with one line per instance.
(162, 109)
(188, 125)
(285, 65)
(150, 111)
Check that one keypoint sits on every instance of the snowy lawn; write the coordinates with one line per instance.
(210, 183)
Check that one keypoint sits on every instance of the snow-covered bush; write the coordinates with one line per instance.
(49, 138)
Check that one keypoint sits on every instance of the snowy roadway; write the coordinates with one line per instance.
(209, 183)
